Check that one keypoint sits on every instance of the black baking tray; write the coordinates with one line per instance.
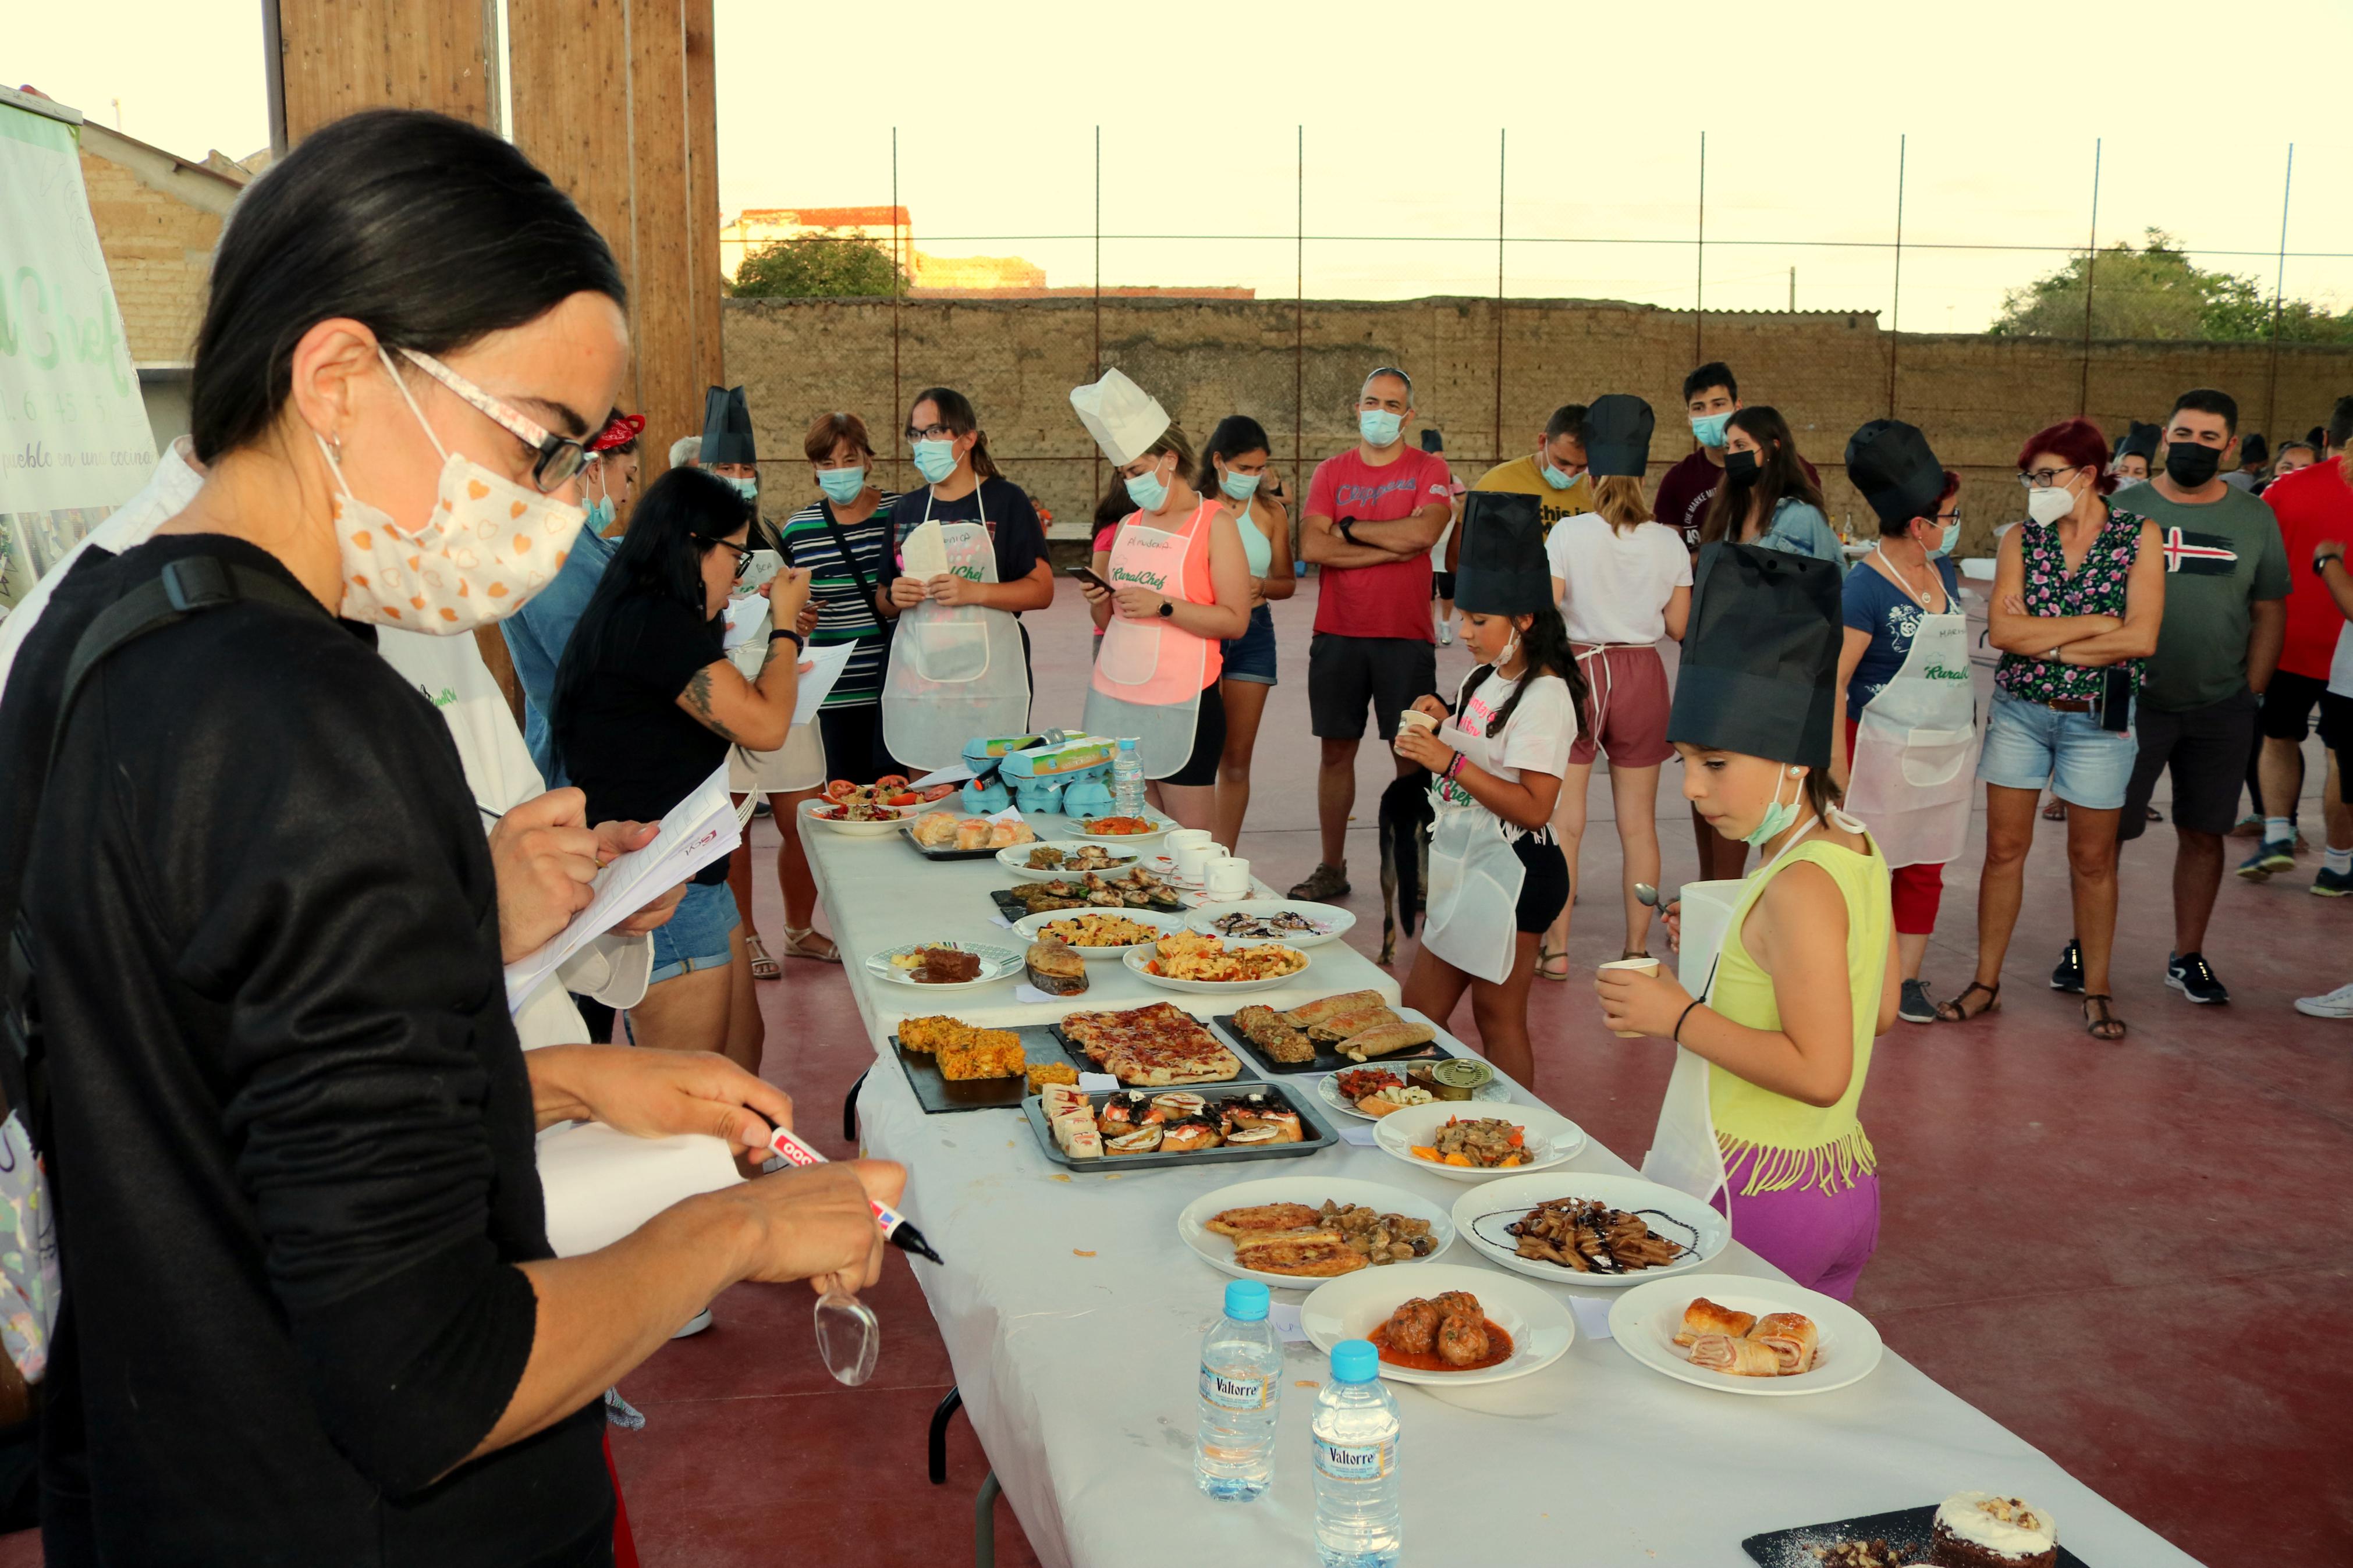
(1078, 1053)
(932, 852)
(1314, 1130)
(1013, 909)
(1326, 1060)
(1906, 1529)
(937, 1095)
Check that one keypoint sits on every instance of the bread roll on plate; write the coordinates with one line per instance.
(1737, 1358)
(1791, 1337)
(1705, 1317)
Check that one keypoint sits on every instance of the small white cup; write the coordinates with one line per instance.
(1228, 879)
(1175, 838)
(1415, 719)
(1193, 861)
(1646, 967)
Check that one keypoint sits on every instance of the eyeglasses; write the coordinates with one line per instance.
(2044, 478)
(743, 557)
(930, 433)
(559, 457)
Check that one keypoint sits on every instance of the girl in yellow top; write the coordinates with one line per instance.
(1779, 1048)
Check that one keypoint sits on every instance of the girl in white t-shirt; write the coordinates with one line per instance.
(1623, 583)
(1524, 696)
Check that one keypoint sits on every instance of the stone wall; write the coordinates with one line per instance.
(1977, 397)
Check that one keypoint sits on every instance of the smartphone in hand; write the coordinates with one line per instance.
(1086, 574)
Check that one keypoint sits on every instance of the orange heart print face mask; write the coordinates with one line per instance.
(488, 545)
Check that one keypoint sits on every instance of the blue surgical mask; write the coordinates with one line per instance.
(600, 514)
(1952, 537)
(1708, 428)
(1146, 490)
(748, 488)
(1241, 487)
(1380, 426)
(1558, 479)
(841, 485)
(935, 460)
(1778, 819)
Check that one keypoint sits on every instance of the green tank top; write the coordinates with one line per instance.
(1795, 1144)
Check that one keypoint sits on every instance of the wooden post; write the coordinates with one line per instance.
(335, 57)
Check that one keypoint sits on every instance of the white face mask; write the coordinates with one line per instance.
(487, 545)
(2050, 505)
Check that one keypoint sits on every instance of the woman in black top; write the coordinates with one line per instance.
(309, 1311)
(647, 704)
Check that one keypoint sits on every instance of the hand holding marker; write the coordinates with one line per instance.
(895, 1229)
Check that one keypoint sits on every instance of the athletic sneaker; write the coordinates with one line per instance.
(2248, 828)
(2069, 974)
(1446, 634)
(1324, 884)
(2337, 1004)
(694, 1325)
(1915, 1007)
(2190, 974)
(2276, 855)
(2328, 884)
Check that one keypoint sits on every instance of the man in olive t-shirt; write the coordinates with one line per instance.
(2226, 583)
(1554, 473)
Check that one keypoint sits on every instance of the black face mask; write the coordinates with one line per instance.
(2190, 465)
(1740, 468)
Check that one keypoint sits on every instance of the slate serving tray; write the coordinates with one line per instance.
(1906, 1529)
(937, 1095)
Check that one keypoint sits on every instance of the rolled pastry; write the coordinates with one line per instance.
(1384, 1039)
(1739, 1358)
(934, 828)
(1315, 1013)
(1705, 1317)
(1790, 1336)
(972, 833)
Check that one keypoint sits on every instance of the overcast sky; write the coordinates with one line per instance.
(997, 108)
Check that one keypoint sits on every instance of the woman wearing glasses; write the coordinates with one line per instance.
(647, 704)
(2078, 591)
(314, 1316)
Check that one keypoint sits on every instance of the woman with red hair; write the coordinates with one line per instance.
(2077, 594)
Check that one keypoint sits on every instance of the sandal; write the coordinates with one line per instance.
(805, 944)
(2107, 1025)
(763, 966)
(1545, 955)
(2056, 811)
(1956, 1011)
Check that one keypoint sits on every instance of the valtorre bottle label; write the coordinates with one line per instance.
(1233, 1393)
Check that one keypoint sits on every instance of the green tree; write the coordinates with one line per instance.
(2158, 292)
(810, 266)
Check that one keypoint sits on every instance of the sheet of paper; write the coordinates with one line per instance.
(923, 554)
(1099, 1082)
(956, 773)
(829, 662)
(698, 831)
(744, 618)
(1592, 1316)
(1028, 993)
(1283, 1316)
(1359, 1132)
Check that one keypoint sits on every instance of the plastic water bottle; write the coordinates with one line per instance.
(1241, 1383)
(1126, 781)
(1355, 1440)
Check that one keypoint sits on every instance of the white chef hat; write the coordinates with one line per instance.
(1123, 418)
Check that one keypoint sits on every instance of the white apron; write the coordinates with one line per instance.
(955, 672)
(1149, 674)
(1473, 916)
(1913, 775)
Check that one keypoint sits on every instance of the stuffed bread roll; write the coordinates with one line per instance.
(1314, 1013)
(1705, 1317)
(1739, 1358)
(1791, 1336)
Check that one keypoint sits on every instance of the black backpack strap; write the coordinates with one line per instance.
(850, 558)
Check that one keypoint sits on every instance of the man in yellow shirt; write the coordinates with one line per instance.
(1554, 473)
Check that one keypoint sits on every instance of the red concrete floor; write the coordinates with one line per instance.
(2117, 1250)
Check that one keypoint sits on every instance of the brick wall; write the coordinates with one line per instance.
(1977, 397)
(158, 251)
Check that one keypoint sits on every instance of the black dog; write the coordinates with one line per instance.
(1404, 828)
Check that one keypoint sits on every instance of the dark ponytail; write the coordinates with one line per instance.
(1544, 646)
(431, 231)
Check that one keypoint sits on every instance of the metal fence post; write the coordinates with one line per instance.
(2091, 263)
(1698, 281)
(2279, 286)
(1895, 307)
(1499, 165)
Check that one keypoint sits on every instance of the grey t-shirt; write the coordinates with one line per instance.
(2220, 557)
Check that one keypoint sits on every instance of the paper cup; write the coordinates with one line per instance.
(1193, 861)
(1645, 965)
(1228, 879)
(1415, 719)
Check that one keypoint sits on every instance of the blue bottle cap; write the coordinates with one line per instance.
(1245, 1301)
(1128, 744)
(1354, 1361)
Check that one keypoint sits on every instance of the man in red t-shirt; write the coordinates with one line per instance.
(1711, 397)
(1372, 516)
(2312, 504)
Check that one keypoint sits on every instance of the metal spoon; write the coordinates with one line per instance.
(1647, 895)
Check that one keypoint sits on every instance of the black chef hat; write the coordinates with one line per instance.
(2254, 448)
(1889, 463)
(1760, 655)
(1617, 436)
(727, 427)
(1502, 569)
(2139, 441)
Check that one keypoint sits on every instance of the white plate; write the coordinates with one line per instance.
(1336, 921)
(1494, 1091)
(1549, 1137)
(996, 964)
(1029, 927)
(1353, 1305)
(1218, 1251)
(1160, 825)
(1481, 1213)
(878, 829)
(1015, 857)
(1644, 1320)
(1135, 958)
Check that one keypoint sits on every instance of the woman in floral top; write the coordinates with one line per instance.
(2078, 591)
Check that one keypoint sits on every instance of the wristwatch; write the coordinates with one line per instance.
(2320, 564)
(799, 641)
(1167, 610)
(1346, 527)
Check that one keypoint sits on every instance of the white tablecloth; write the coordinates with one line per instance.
(1073, 1317)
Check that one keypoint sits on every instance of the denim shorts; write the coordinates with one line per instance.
(1250, 657)
(2028, 745)
(696, 936)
